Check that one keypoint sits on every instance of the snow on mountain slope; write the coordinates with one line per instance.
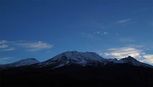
(129, 59)
(23, 62)
(75, 57)
(133, 61)
(87, 58)
(26, 62)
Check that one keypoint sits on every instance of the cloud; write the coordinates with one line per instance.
(3, 41)
(135, 52)
(24, 45)
(126, 40)
(9, 49)
(35, 46)
(148, 58)
(124, 21)
(123, 52)
(5, 46)
(5, 60)
(97, 35)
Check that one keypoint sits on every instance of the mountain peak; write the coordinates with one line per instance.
(28, 61)
(23, 62)
(129, 59)
(75, 57)
(72, 55)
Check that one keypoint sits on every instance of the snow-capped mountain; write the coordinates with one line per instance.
(75, 57)
(87, 58)
(129, 60)
(133, 61)
(24, 62)
(74, 67)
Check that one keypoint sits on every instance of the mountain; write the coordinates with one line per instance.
(87, 59)
(129, 60)
(75, 57)
(20, 63)
(77, 69)
(133, 61)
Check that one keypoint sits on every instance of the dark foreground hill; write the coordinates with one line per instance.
(67, 71)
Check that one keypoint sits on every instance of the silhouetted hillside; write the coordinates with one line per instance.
(75, 75)
(127, 72)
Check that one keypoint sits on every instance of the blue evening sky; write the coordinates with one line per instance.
(44, 28)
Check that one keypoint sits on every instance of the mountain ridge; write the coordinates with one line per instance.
(64, 71)
(20, 63)
(75, 57)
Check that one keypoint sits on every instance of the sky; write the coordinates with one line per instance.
(44, 28)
